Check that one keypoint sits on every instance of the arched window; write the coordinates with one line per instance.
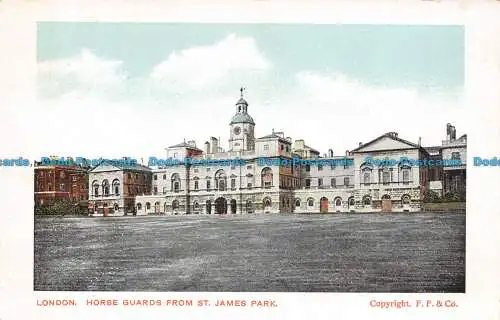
(386, 197)
(366, 176)
(338, 202)
(310, 202)
(267, 202)
(367, 200)
(333, 183)
(116, 187)
(350, 201)
(148, 205)
(139, 206)
(297, 202)
(175, 182)
(267, 177)
(175, 204)
(196, 206)
(116, 207)
(95, 188)
(405, 199)
(220, 180)
(105, 187)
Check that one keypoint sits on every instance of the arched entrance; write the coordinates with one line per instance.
(338, 204)
(405, 201)
(323, 205)
(233, 206)
(386, 203)
(221, 206)
(267, 205)
(208, 207)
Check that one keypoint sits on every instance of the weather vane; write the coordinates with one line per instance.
(241, 91)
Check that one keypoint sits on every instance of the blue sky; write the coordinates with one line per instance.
(314, 82)
(382, 55)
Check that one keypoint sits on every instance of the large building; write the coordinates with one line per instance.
(58, 182)
(247, 179)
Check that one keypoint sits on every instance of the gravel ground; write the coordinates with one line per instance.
(276, 253)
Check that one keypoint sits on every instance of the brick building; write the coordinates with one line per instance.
(54, 182)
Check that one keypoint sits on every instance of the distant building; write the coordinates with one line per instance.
(451, 179)
(60, 182)
(113, 188)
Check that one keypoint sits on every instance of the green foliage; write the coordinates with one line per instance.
(431, 197)
(61, 207)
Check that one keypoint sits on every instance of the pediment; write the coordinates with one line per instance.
(385, 143)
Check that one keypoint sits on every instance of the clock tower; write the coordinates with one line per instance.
(241, 136)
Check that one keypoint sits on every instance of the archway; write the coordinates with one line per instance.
(249, 206)
(233, 206)
(267, 205)
(405, 201)
(221, 206)
(338, 204)
(323, 205)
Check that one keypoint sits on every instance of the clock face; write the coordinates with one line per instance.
(237, 130)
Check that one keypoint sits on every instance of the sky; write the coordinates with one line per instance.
(132, 89)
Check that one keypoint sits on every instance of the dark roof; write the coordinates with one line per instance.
(392, 136)
(242, 117)
(125, 166)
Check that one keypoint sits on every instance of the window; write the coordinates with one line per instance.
(267, 177)
(385, 177)
(74, 178)
(175, 155)
(249, 167)
(177, 186)
(208, 184)
(105, 188)
(148, 205)
(346, 181)
(455, 155)
(406, 175)
(156, 177)
(310, 202)
(287, 148)
(233, 183)
(297, 202)
(333, 183)
(116, 187)
(308, 168)
(308, 183)
(320, 182)
(320, 167)
(164, 190)
(164, 177)
(366, 178)
(367, 200)
(405, 199)
(282, 147)
(196, 185)
(155, 190)
(95, 188)
(61, 186)
(266, 147)
(346, 164)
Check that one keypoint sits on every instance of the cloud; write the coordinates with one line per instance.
(202, 66)
(85, 73)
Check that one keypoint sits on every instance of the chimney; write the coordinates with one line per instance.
(207, 147)
(453, 133)
(419, 141)
(215, 144)
(330, 153)
(448, 132)
(347, 153)
(289, 139)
